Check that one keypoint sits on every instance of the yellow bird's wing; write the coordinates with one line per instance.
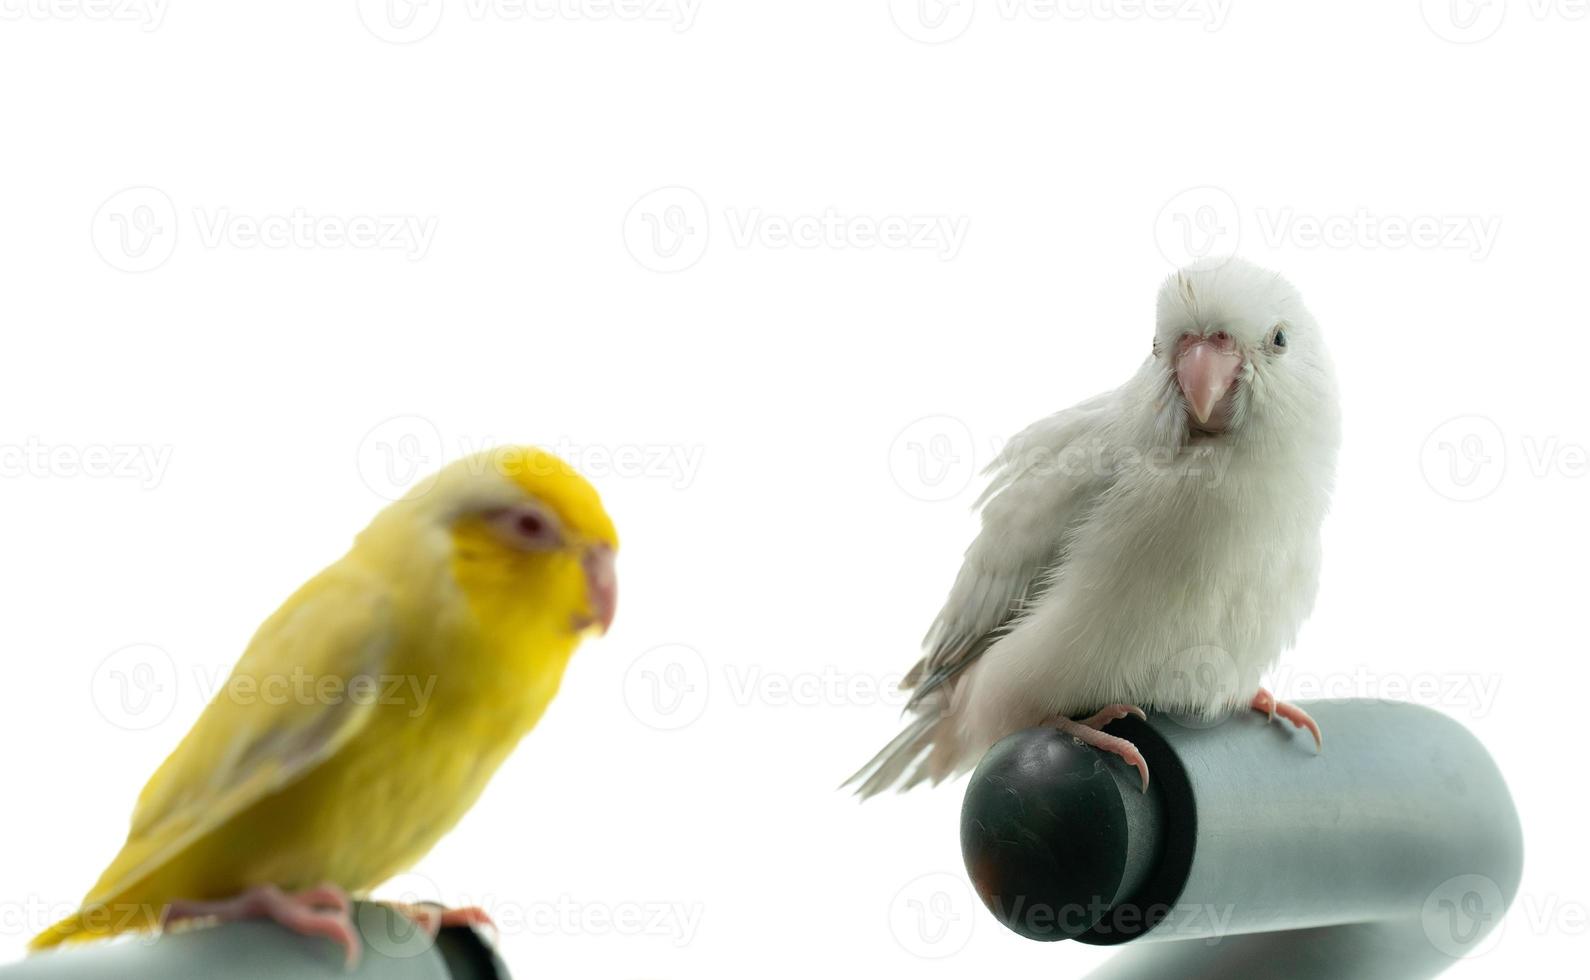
(270, 725)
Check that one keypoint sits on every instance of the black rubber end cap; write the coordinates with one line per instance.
(1045, 833)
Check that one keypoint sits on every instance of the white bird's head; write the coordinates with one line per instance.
(1237, 350)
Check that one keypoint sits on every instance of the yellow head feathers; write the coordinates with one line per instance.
(503, 477)
(557, 485)
(511, 522)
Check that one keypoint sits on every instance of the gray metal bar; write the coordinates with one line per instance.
(1389, 854)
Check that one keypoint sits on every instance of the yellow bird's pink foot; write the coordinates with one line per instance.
(434, 918)
(323, 911)
(1265, 701)
(1087, 732)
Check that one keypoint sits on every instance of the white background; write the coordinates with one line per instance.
(201, 404)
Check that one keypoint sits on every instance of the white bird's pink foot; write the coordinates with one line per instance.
(1113, 712)
(1087, 732)
(1265, 701)
(322, 911)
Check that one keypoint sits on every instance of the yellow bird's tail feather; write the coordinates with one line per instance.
(112, 907)
(69, 930)
(98, 921)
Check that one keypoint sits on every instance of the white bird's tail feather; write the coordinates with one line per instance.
(901, 761)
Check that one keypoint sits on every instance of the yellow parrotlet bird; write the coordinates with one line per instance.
(369, 711)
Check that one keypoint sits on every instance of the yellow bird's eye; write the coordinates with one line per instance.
(527, 527)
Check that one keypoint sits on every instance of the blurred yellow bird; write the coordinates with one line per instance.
(369, 711)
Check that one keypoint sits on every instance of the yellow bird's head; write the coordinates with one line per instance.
(523, 534)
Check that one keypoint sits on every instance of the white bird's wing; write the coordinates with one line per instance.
(1043, 482)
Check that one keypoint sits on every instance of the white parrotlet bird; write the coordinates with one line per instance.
(1157, 546)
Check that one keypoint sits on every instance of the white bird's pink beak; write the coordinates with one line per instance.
(1206, 367)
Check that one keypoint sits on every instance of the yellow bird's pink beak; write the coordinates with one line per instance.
(1206, 367)
(601, 585)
